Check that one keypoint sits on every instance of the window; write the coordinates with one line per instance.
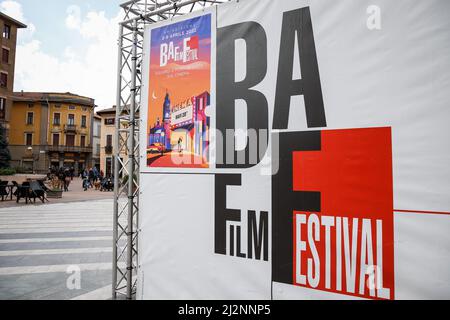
(30, 105)
(29, 139)
(3, 80)
(30, 118)
(97, 129)
(108, 170)
(56, 140)
(5, 55)
(2, 108)
(83, 141)
(56, 119)
(70, 140)
(83, 121)
(71, 120)
(72, 108)
(7, 31)
(57, 106)
(110, 121)
(109, 140)
(109, 147)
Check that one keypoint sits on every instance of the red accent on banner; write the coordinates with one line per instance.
(422, 212)
(353, 173)
(193, 43)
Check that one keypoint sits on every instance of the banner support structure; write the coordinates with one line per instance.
(137, 15)
(116, 166)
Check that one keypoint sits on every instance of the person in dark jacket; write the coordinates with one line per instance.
(67, 179)
(91, 177)
(62, 178)
(85, 177)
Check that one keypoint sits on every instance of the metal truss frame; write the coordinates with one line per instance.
(137, 15)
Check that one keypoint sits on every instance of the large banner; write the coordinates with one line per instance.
(297, 150)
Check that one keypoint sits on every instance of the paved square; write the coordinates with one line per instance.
(40, 243)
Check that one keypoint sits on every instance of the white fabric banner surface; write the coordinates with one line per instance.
(353, 96)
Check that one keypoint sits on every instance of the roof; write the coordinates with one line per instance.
(53, 97)
(12, 20)
(108, 110)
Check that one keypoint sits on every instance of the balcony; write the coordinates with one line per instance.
(70, 128)
(62, 149)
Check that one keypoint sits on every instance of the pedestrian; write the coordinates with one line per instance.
(96, 174)
(91, 178)
(62, 178)
(67, 179)
(72, 173)
(85, 177)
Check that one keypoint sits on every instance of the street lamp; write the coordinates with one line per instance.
(35, 158)
(30, 149)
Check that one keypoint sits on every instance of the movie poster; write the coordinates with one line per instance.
(179, 95)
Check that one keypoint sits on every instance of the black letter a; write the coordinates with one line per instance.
(298, 22)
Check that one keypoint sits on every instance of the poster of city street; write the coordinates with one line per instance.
(179, 94)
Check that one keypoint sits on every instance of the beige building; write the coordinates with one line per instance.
(97, 129)
(9, 28)
(51, 130)
(107, 141)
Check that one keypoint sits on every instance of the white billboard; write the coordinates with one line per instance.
(324, 165)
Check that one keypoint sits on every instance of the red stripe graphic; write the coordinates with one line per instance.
(421, 212)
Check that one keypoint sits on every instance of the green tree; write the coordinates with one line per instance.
(5, 156)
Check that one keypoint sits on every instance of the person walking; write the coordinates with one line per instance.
(85, 177)
(96, 174)
(67, 179)
(91, 178)
(62, 178)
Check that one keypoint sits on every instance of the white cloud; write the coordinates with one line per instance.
(90, 71)
(14, 10)
(73, 19)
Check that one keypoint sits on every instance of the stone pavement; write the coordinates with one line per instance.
(42, 245)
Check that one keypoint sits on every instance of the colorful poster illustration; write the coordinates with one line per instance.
(178, 133)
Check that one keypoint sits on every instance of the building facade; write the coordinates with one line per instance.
(108, 137)
(97, 132)
(9, 28)
(107, 141)
(51, 130)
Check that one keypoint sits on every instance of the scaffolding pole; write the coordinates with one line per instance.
(116, 166)
(137, 15)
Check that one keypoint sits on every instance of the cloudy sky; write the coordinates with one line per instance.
(69, 45)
